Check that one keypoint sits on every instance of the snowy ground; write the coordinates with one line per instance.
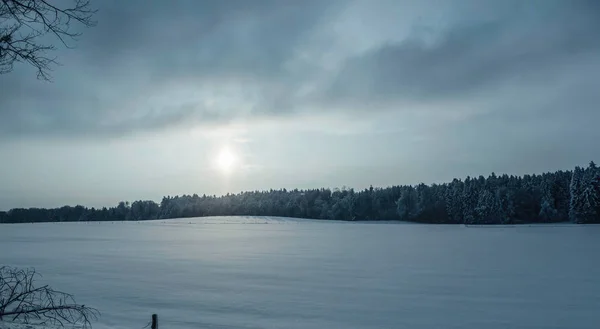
(237, 273)
(12, 325)
(9, 325)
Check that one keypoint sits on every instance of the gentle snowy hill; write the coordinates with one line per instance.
(238, 272)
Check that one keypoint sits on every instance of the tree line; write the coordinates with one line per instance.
(547, 198)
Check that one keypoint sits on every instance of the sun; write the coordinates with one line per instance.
(226, 160)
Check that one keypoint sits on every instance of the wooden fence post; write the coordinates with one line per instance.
(154, 321)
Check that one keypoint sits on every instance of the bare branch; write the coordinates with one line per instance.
(21, 300)
(24, 22)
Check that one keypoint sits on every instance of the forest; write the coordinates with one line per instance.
(562, 196)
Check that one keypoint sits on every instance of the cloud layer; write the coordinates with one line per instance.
(153, 67)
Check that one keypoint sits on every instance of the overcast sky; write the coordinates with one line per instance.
(301, 94)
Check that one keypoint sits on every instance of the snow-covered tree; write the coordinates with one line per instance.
(486, 209)
(407, 204)
(454, 203)
(506, 205)
(469, 201)
(575, 203)
(547, 212)
(588, 197)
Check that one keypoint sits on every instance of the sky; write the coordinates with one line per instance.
(210, 97)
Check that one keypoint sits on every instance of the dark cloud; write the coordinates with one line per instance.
(526, 45)
(140, 49)
(154, 65)
(204, 38)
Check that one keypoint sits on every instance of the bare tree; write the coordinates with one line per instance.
(21, 300)
(24, 23)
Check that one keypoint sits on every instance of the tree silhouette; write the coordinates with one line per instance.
(22, 300)
(24, 25)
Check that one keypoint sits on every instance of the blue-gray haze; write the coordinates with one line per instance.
(303, 94)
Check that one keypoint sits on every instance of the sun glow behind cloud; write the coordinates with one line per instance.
(226, 160)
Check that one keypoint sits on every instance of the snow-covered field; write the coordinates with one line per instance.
(241, 272)
(13, 325)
